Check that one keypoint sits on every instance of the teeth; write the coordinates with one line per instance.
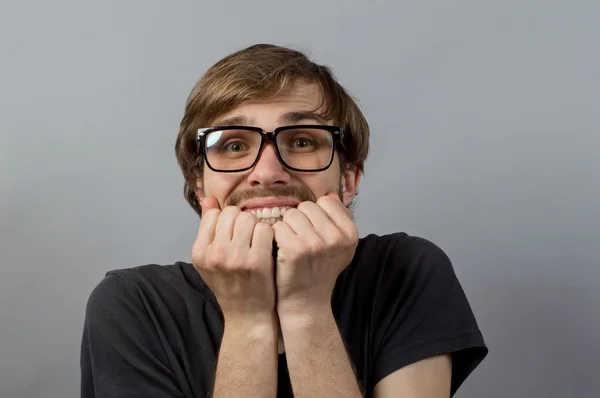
(269, 215)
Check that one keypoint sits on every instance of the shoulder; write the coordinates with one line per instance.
(126, 286)
(150, 273)
(131, 326)
(398, 267)
(139, 278)
(420, 309)
(148, 285)
(407, 265)
(401, 253)
(399, 241)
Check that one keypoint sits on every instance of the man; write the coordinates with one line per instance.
(282, 296)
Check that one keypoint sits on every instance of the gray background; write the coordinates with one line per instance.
(485, 119)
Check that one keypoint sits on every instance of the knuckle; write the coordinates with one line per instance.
(217, 255)
(299, 253)
(237, 259)
(317, 246)
(301, 247)
(246, 218)
(290, 213)
(305, 205)
(212, 213)
(323, 199)
(232, 210)
(261, 226)
(354, 234)
(254, 261)
(262, 229)
(197, 259)
(337, 239)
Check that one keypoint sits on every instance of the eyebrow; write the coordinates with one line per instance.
(286, 118)
(233, 121)
(294, 117)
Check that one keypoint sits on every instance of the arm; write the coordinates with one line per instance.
(428, 378)
(233, 255)
(425, 332)
(315, 241)
(317, 359)
(319, 365)
(247, 363)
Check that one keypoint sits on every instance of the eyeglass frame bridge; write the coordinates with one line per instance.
(337, 134)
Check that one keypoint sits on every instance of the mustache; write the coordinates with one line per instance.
(303, 194)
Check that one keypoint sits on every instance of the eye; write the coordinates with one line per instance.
(235, 146)
(301, 143)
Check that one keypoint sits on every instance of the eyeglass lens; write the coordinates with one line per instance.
(302, 148)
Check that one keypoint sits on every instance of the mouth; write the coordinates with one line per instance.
(270, 215)
(270, 209)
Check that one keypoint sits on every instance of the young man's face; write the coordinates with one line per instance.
(269, 183)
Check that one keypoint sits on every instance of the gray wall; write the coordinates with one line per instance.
(485, 118)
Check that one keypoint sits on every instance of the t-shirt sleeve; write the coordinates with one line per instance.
(422, 311)
(121, 354)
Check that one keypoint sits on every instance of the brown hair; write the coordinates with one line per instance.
(258, 72)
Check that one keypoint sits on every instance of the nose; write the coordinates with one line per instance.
(268, 170)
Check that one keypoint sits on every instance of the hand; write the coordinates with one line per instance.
(233, 254)
(316, 243)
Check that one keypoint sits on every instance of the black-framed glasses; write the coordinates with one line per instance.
(299, 148)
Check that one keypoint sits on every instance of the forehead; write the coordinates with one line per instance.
(302, 101)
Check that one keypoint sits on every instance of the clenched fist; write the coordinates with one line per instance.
(233, 254)
(316, 243)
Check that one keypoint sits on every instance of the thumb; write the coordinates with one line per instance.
(208, 203)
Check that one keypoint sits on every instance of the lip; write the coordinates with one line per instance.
(261, 203)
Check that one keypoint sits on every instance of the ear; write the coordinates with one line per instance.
(196, 183)
(350, 180)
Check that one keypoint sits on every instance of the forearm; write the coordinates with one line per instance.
(317, 359)
(247, 363)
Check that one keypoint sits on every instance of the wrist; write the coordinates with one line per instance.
(304, 318)
(253, 327)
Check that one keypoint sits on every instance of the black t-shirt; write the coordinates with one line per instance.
(155, 331)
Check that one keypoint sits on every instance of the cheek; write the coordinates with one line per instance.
(321, 185)
(220, 185)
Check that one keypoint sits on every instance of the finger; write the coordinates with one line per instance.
(283, 234)
(243, 229)
(338, 214)
(262, 237)
(322, 225)
(297, 220)
(208, 203)
(206, 231)
(337, 198)
(334, 196)
(224, 231)
(208, 223)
